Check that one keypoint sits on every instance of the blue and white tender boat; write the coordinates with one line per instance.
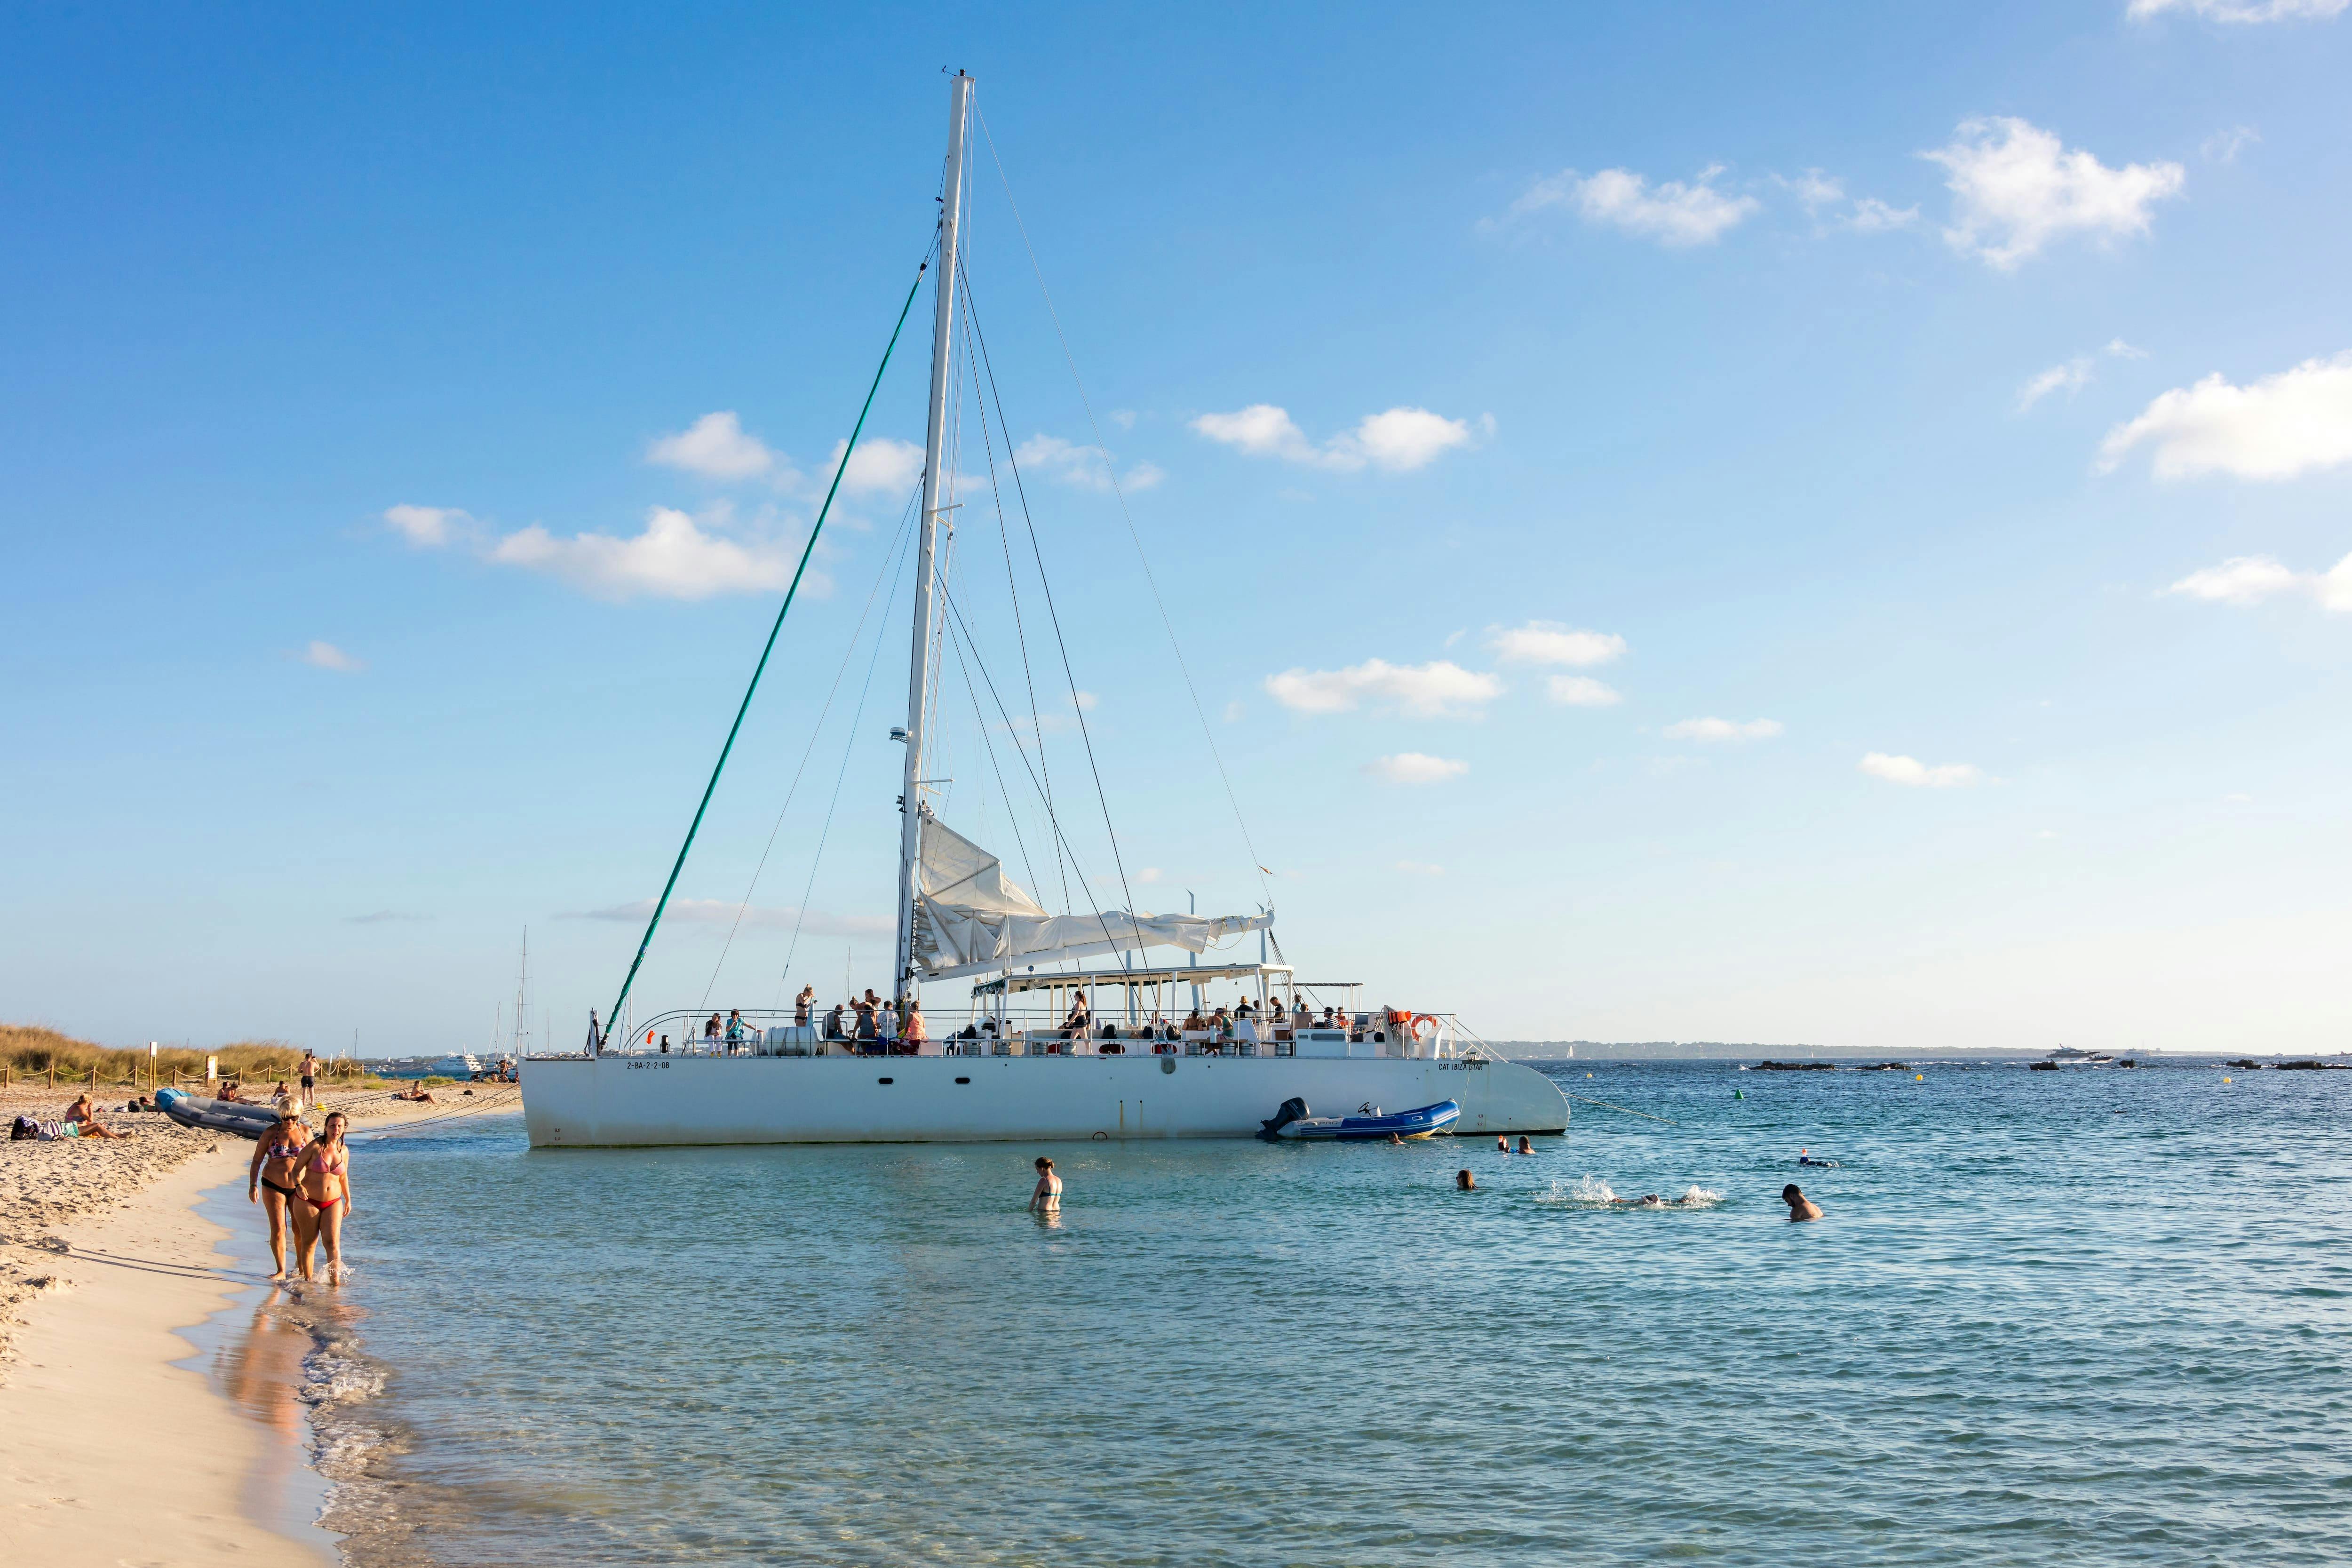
(1294, 1121)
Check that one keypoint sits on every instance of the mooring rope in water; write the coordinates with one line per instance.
(1627, 1109)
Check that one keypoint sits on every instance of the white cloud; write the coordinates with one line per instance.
(880, 467)
(716, 447)
(1579, 691)
(1148, 875)
(2015, 188)
(1723, 730)
(2223, 146)
(327, 656)
(1419, 868)
(1087, 468)
(1415, 768)
(2276, 429)
(428, 527)
(2242, 10)
(1911, 771)
(674, 558)
(1549, 642)
(1396, 441)
(1428, 691)
(1673, 214)
(2249, 579)
(1814, 189)
(1123, 417)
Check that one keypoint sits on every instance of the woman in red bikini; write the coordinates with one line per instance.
(323, 1173)
(275, 1159)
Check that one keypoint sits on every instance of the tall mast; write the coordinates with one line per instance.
(935, 462)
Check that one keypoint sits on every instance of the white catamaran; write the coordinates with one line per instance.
(1101, 1058)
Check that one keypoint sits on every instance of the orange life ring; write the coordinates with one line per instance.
(1419, 1035)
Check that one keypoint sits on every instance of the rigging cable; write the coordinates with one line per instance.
(848, 745)
(1145, 561)
(816, 732)
(981, 334)
(736, 729)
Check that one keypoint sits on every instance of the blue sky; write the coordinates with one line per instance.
(1790, 524)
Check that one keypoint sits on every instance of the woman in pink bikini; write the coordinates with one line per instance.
(323, 1173)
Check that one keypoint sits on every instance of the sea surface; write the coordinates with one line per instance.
(2095, 1316)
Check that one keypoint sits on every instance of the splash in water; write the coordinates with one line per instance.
(1592, 1192)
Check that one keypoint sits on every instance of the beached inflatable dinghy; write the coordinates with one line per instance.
(1293, 1121)
(220, 1115)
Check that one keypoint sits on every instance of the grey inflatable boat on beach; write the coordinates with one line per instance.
(220, 1115)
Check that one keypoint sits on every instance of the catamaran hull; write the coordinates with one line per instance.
(655, 1101)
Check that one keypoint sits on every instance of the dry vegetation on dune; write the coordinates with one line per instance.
(26, 1049)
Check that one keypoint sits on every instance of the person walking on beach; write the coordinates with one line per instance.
(1800, 1205)
(276, 1156)
(323, 1176)
(309, 1076)
(1047, 1198)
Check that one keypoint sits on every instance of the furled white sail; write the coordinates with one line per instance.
(975, 918)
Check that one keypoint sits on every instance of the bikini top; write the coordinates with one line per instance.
(319, 1162)
(282, 1151)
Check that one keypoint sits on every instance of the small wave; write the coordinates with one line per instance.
(1592, 1192)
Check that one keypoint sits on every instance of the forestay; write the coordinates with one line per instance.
(975, 918)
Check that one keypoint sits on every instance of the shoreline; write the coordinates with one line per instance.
(156, 1394)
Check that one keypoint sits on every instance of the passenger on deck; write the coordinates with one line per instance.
(866, 1019)
(888, 1021)
(711, 1032)
(832, 1023)
(1194, 1022)
(915, 1034)
(802, 1005)
(1300, 1018)
(734, 1029)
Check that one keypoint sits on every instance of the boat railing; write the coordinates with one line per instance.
(1038, 1032)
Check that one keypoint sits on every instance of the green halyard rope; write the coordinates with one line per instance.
(612, 1018)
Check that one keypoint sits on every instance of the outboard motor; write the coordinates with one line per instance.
(1293, 1110)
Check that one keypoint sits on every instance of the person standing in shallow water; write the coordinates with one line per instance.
(1800, 1205)
(1046, 1197)
(323, 1176)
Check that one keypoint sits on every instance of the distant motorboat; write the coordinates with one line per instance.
(1294, 1121)
(2068, 1056)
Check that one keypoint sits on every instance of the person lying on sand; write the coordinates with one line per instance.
(417, 1096)
(1800, 1205)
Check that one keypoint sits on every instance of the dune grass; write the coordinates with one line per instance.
(29, 1052)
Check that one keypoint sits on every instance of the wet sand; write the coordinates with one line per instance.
(116, 1446)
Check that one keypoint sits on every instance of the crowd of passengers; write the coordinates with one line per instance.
(871, 1025)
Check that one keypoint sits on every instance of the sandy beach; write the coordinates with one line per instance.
(111, 1452)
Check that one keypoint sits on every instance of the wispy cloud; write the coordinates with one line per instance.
(2016, 187)
(1552, 642)
(2072, 375)
(1415, 768)
(1427, 690)
(716, 447)
(719, 912)
(327, 656)
(1419, 868)
(1723, 730)
(2242, 11)
(1824, 200)
(2223, 146)
(675, 557)
(2293, 422)
(385, 918)
(428, 527)
(1917, 774)
(1397, 441)
(1672, 213)
(1580, 691)
(2247, 579)
(1086, 468)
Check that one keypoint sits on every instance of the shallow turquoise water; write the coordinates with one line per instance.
(2082, 1317)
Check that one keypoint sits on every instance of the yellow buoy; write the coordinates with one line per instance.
(2225, 1080)
(1918, 1077)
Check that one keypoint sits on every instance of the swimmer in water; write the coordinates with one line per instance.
(1047, 1197)
(1465, 1180)
(1800, 1205)
(1502, 1144)
(1526, 1147)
